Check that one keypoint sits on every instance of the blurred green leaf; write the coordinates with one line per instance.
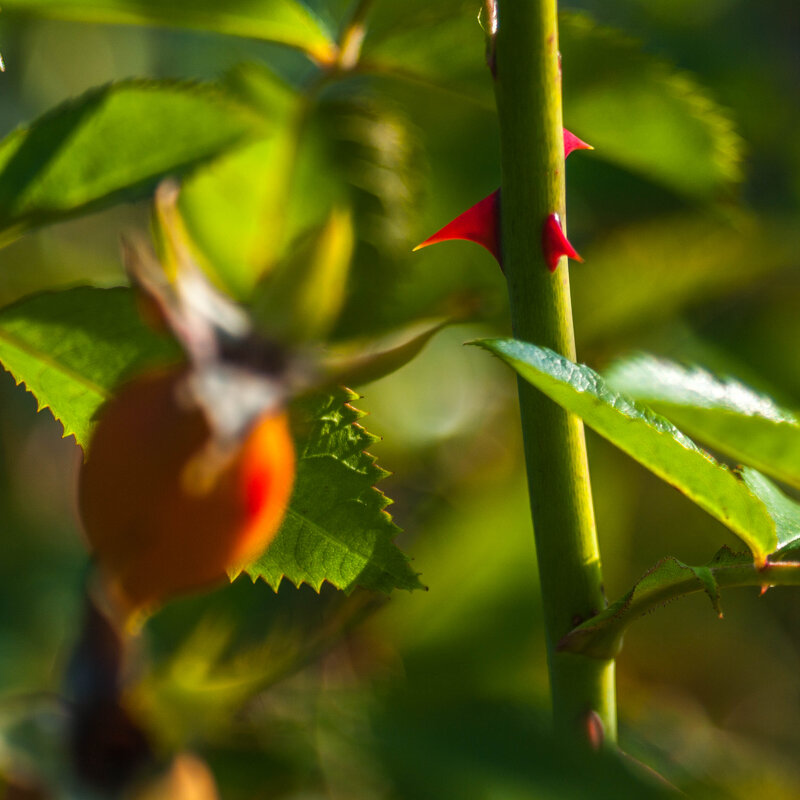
(336, 528)
(726, 414)
(229, 208)
(286, 22)
(366, 360)
(601, 636)
(364, 154)
(71, 348)
(111, 144)
(643, 274)
(238, 209)
(648, 438)
(643, 114)
(302, 299)
(638, 111)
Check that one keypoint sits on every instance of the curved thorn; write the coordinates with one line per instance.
(572, 142)
(479, 224)
(555, 244)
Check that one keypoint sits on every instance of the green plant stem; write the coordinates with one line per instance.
(528, 92)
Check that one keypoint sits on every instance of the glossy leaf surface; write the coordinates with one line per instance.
(731, 417)
(651, 440)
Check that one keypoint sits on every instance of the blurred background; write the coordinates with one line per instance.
(687, 217)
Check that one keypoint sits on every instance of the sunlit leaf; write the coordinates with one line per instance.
(648, 438)
(726, 414)
(286, 22)
(110, 144)
(239, 208)
(302, 299)
(601, 636)
(336, 528)
(71, 348)
(784, 511)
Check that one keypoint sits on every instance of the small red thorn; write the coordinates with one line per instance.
(572, 142)
(479, 224)
(555, 244)
(764, 589)
(595, 730)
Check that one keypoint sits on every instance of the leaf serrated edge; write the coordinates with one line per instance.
(40, 407)
(349, 397)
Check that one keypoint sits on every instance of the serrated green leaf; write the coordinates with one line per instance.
(285, 22)
(336, 528)
(601, 636)
(113, 143)
(726, 414)
(71, 348)
(651, 440)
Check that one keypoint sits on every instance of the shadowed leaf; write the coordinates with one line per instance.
(637, 110)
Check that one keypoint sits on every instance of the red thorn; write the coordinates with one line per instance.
(555, 244)
(595, 730)
(572, 142)
(481, 222)
(478, 224)
(764, 589)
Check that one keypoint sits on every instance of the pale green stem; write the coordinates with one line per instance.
(528, 92)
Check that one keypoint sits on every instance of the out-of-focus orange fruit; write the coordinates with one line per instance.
(164, 511)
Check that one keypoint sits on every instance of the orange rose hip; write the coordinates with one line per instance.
(164, 511)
